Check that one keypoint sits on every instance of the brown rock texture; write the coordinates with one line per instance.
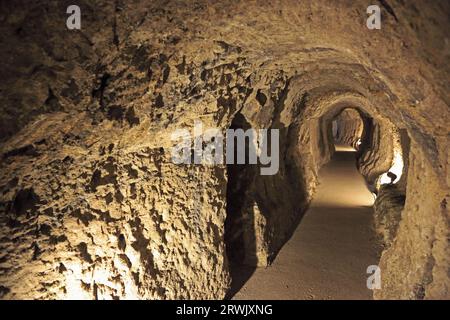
(349, 128)
(91, 205)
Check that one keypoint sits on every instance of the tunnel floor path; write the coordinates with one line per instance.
(328, 254)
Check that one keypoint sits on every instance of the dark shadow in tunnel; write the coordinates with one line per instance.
(240, 274)
(240, 239)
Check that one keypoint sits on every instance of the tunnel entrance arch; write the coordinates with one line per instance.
(348, 128)
(312, 143)
(382, 156)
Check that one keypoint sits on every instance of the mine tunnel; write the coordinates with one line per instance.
(339, 232)
(120, 141)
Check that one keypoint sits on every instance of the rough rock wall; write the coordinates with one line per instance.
(391, 192)
(416, 264)
(91, 205)
(377, 156)
(105, 223)
(349, 128)
(388, 208)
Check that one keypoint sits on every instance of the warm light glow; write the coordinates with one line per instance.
(74, 290)
(396, 168)
(343, 148)
(342, 186)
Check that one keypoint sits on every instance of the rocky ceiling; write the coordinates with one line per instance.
(91, 205)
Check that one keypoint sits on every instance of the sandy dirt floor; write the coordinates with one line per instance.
(328, 254)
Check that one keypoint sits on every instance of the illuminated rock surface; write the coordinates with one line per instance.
(91, 205)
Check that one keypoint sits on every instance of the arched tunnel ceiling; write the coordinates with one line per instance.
(401, 70)
(87, 116)
(318, 40)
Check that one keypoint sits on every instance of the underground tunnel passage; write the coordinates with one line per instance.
(329, 252)
(113, 179)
